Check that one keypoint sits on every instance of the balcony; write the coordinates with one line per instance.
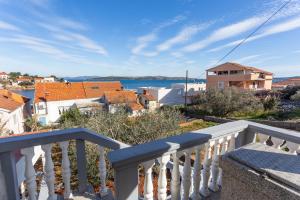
(204, 177)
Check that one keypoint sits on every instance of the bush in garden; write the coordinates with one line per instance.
(270, 102)
(226, 102)
(296, 96)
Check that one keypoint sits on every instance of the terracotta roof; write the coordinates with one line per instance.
(149, 97)
(135, 106)
(284, 83)
(3, 73)
(24, 79)
(237, 66)
(11, 101)
(76, 90)
(125, 96)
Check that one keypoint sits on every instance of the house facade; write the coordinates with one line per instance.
(14, 109)
(240, 76)
(3, 76)
(175, 95)
(53, 99)
(148, 101)
(125, 98)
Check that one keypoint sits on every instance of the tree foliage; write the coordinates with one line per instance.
(226, 102)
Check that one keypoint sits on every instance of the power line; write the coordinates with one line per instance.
(252, 33)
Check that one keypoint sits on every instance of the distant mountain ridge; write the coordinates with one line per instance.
(118, 78)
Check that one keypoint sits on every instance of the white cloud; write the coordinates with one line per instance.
(143, 42)
(70, 24)
(246, 58)
(75, 38)
(225, 33)
(183, 36)
(285, 26)
(7, 26)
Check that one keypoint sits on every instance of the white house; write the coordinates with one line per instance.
(3, 76)
(52, 99)
(175, 95)
(49, 79)
(14, 109)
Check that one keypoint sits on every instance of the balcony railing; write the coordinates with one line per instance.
(187, 181)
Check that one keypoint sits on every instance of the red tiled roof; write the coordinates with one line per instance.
(149, 97)
(290, 81)
(125, 96)
(78, 90)
(135, 106)
(3, 73)
(11, 101)
(236, 65)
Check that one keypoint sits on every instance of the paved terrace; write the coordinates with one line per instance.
(202, 179)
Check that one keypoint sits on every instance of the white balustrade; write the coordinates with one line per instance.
(223, 151)
(175, 183)
(162, 179)
(30, 173)
(197, 174)
(262, 138)
(48, 171)
(206, 169)
(215, 167)
(66, 172)
(148, 184)
(293, 147)
(186, 178)
(276, 142)
(102, 171)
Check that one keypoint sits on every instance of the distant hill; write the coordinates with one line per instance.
(118, 78)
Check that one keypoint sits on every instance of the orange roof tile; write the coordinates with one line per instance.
(284, 83)
(149, 97)
(135, 106)
(76, 90)
(11, 101)
(235, 66)
(3, 73)
(124, 96)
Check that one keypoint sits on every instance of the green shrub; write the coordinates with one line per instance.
(226, 102)
(270, 102)
(296, 96)
(289, 91)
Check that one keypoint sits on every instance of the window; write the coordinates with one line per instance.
(40, 107)
(221, 84)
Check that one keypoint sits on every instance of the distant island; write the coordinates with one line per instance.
(118, 78)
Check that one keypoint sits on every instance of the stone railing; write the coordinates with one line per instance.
(204, 177)
(9, 188)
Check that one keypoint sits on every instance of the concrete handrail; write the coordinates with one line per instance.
(14, 142)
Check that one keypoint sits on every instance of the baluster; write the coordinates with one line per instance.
(162, 179)
(148, 184)
(215, 167)
(30, 173)
(206, 169)
(22, 191)
(197, 174)
(102, 171)
(186, 178)
(223, 151)
(276, 142)
(293, 147)
(66, 172)
(48, 171)
(262, 138)
(175, 183)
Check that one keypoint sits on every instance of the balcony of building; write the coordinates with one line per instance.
(236, 160)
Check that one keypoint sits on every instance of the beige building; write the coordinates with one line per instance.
(148, 101)
(236, 75)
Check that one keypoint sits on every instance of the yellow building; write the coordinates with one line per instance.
(236, 75)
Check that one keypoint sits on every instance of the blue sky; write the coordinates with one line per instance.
(139, 37)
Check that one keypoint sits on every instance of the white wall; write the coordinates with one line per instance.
(51, 109)
(174, 95)
(14, 121)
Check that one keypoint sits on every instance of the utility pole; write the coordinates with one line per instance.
(186, 82)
